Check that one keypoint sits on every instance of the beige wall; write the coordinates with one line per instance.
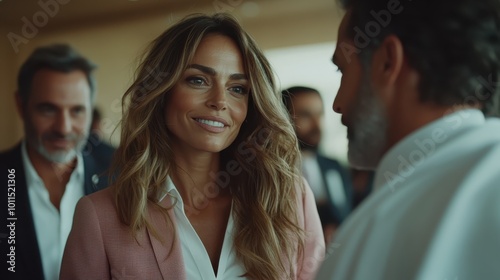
(116, 45)
(10, 124)
(299, 29)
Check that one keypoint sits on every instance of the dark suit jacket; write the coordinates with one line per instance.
(335, 213)
(28, 264)
(96, 146)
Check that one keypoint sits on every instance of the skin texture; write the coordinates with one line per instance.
(221, 94)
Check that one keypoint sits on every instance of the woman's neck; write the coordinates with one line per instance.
(194, 177)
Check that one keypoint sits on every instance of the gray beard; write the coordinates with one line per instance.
(367, 133)
(58, 156)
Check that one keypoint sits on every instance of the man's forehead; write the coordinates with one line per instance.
(307, 100)
(61, 95)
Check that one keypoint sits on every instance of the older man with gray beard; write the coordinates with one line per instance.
(420, 80)
(50, 169)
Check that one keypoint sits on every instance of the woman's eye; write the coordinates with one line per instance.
(239, 90)
(197, 81)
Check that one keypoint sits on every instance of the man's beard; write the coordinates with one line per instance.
(367, 129)
(60, 156)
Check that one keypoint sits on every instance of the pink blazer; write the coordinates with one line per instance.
(101, 247)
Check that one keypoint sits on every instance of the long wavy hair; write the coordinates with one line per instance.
(267, 235)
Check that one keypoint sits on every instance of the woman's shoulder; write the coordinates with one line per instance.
(98, 208)
(101, 201)
(306, 204)
(302, 189)
(104, 196)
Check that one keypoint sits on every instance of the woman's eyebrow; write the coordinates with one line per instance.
(210, 71)
(204, 69)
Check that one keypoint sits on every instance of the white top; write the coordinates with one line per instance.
(332, 178)
(312, 174)
(196, 260)
(435, 212)
(52, 226)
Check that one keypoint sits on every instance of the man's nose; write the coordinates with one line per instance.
(63, 123)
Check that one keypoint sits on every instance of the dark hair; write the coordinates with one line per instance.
(57, 57)
(453, 44)
(288, 94)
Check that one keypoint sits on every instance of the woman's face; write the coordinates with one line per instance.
(206, 107)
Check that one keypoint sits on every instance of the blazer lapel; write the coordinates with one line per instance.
(168, 254)
(336, 186)
(92, 178)
(28, 262)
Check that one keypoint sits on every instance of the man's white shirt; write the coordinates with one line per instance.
(435, 212)
(52, 226)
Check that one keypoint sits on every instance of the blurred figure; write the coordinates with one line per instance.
(328, 179)
(96, 145)
(414, 95)
(54, 99)
(362, 185)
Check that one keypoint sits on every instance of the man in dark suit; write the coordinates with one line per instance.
(48, 172)
(328, 179)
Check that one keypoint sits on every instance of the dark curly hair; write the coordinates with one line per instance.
(453, 44)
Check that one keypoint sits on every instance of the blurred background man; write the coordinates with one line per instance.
(328, 179)
(54, 98)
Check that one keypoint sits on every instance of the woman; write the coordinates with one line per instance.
(207, 186)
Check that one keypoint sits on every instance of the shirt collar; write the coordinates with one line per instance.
(421, 144)
(169, 188)
(32, 177)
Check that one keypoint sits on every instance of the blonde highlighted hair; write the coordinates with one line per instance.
(267, 235)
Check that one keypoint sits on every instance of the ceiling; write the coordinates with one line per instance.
(64, 13)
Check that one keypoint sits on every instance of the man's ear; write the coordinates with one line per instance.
(19, 104)
(387, 62)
